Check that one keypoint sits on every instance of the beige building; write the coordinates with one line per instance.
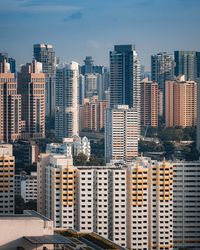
(17, 230)
(10, 105)
(180, 103)
(149, 103)
(92, 114)
(7, 171)
(31, 85)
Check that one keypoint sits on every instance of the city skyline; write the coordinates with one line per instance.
(91, 28)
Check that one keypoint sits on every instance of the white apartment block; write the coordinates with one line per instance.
(131, 204)
(66, 115)
(56, 196)
(7, 172)
(29, 187)
(186, 205)
(121, 133)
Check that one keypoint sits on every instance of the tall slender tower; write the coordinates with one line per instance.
(45, 54)
(124, 77)
(66, 117)
(186, 64)
(149, 103)
(198, 115)
(31, 84)
(10, 105)
(162, 70)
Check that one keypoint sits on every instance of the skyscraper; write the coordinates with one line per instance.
(66, 117)
(198, 115)
(121, 133)
(7, 172)
(186, 64)
(149, 103)
(162, 70)
(11, 61)
(31, 85)
(10, 105)
(45, 54)
(124, 77)
(181, 103)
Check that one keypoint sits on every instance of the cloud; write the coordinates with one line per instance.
(75, 16)
(28, 6)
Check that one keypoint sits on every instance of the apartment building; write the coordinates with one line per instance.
(181, 103)
(186, 205)
(121, 202)
(121, 133)
(7, 171)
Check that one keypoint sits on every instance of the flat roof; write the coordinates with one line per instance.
(47, 239)
(28, 214)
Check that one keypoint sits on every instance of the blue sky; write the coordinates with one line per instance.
(77, 28)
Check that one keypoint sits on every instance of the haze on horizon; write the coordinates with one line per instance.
(91, 27)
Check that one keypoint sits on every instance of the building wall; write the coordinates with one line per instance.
(186, 204)
(13, 229)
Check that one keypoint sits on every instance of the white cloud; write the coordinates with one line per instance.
(26, 7)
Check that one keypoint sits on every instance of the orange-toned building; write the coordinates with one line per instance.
(180, 103)
(31, 85)
(10, 105)
(92, 114)
(149, 103)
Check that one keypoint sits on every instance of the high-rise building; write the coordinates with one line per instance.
(149, 103)
(90, 67)
(198, 64)
(56, 189)
(92, 114)
(29, 187)
(121, 133)
(31, 85)
(45, 54)
(10, 60)
(124, 77)
(121, 202)
(186, 204)
(162, 70)
(7, 172)
(10, 105)
(186, 64)
(181, 103)
(198, 115)
(66, 117)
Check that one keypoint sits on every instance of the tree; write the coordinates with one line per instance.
(169, 149)
(80, 160)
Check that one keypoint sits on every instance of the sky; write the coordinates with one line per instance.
(77, 28)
